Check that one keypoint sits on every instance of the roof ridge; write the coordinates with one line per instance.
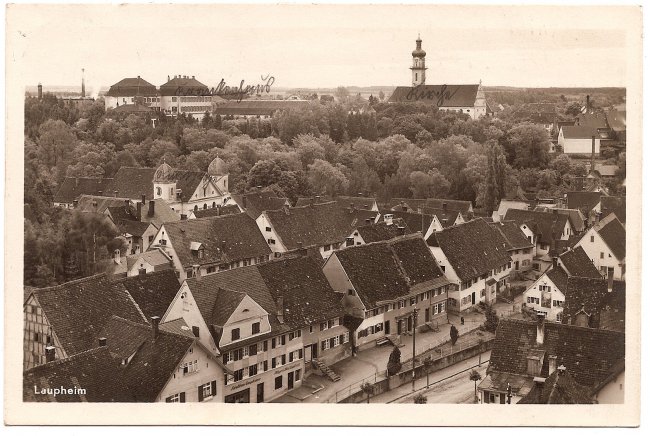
(79, 280)
(66, 359)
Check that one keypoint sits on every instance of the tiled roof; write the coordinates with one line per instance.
(257, 107)
(577, 263)
(132, 183)
(122, 212)
(382, 231)
(558, 388)
(606, 170)
(122, 339)
(184, 86)
(612, 313)
(152, 292)
(580, 132)
(316, 225)
(593, 120)
(437, 95)
(155, 361)
(585, 201)
(187, 182)
(135, 228)
(416, 222)
(78, 310)
(358, 202)
(177, 327)
(98, 204)
(94, 370)
(613, 233)
(319, 199)
(156, 257)
(73, 187)
(162, 213)
(512, 234)
(306, 293)
(447, 218)
(615, 205)
(415, 259)
(131, 87)
(586, 294)
(588, 354)
(229, 209)
(225, 239)
(576, 219)
(472, 248)
(374, 273)
(257, 202)
(549, 225)
(415, 204)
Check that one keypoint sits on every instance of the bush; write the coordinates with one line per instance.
(394, 364)
(453, 334)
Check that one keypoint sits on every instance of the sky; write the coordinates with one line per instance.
(321, 46)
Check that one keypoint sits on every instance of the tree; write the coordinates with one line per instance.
(326, 178)
(264, 173)
(475, 377)
(381, 95)
(495, 183)
(453, 334)
(429, 185)
(528, 145)
(160, 148)
(367, 389)
(342, 94)
(420, 399)
(491, 319)
(428, 364)
(394, 363)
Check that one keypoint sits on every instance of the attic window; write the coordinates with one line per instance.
(245, 310)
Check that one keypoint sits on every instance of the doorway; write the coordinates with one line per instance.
(387, 327)
(473, 298)
(260, 393)
(290, 380)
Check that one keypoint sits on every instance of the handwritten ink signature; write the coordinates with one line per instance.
(421, 92)
(224, 90)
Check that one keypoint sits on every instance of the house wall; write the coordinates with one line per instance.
(148, 236)
(577, 145)
(613, 392)
(525, 258)
(37, 334)
(243, 317)
(340, 282)
(553, 310)
(184, 306)
(208, 370)
(316, 334)
(270, 236)
(597, 248)
(162, 241)
(140, 263)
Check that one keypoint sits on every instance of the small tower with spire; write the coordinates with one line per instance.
(418, 70)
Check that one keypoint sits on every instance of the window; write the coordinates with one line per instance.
(252, 370)
(351, 292)
(283, 339)
(239, 375)
(271, 241)
(176, 398)
(235, 334)
(268, 229)
(297, 377)
(159, 193)
(278, 382)
(256, 328)
(602, 255)
(591, 238)
(442, 267)
(207, 390)
(283, 358)
(274, 362)
(558, 317)
(323, 326)
(252, 350)
(266, 346)
(237, 354)
(273, 343)
(190, 367)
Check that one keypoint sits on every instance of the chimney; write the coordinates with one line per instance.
(279, 303)
(102, 342)
(75, 203)
(40, 91)
(444, 206)
(183, 217)
(115, 194)
(593, 153)
(561, 369)
(554, 261)
(243, 201)
(126, 203)
(196, 271)
(540, 328)
(152, 206)
(352, 206)
(168, 78)
(155, 320)
(50, 353)
(192, 77)
(388, 219)
(610, 282)
(117, 257)
(83, 83)
(141, 272)
(138, 211)
(588, 103)
(552, 364)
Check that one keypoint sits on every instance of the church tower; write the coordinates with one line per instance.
(418, 70)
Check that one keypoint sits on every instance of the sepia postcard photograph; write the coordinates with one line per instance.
(320, 214)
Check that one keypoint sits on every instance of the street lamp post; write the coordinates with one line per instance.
(415, 321)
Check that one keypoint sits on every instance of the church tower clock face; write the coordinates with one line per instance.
(418, 69)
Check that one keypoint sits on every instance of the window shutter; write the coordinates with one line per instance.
(182, 397)
(213, 387)
(168, 400)
(200, 393)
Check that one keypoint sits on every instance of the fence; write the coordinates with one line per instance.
(424, 349)
(356, 387)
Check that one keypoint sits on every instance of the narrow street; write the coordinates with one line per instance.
(446, 385)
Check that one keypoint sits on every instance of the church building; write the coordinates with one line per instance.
(468, 99)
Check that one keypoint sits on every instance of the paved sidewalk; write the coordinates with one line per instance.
(367, 363)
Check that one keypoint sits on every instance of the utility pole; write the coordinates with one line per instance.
(509, 393)
(415, 321)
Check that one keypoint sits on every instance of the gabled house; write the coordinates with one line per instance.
(604, 243)
(365, 203)
(576, 218)
(525, 351)
(212, 244)
(381, 283)
(558, 388)
(70, 316)
(475, 257)
(153, 292)
(444, 217)
(418, 204)
(132, 183)
(579, 140)
(587, 202)
(520, 248)
(416, 222)
(543, 229)
(265, 322)
(164, 362)
(254, 203)
(324, 226)
(375, 232)
(613, 205)
(144, 263)
(504, 205)
(136, 233)
(74, 187)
